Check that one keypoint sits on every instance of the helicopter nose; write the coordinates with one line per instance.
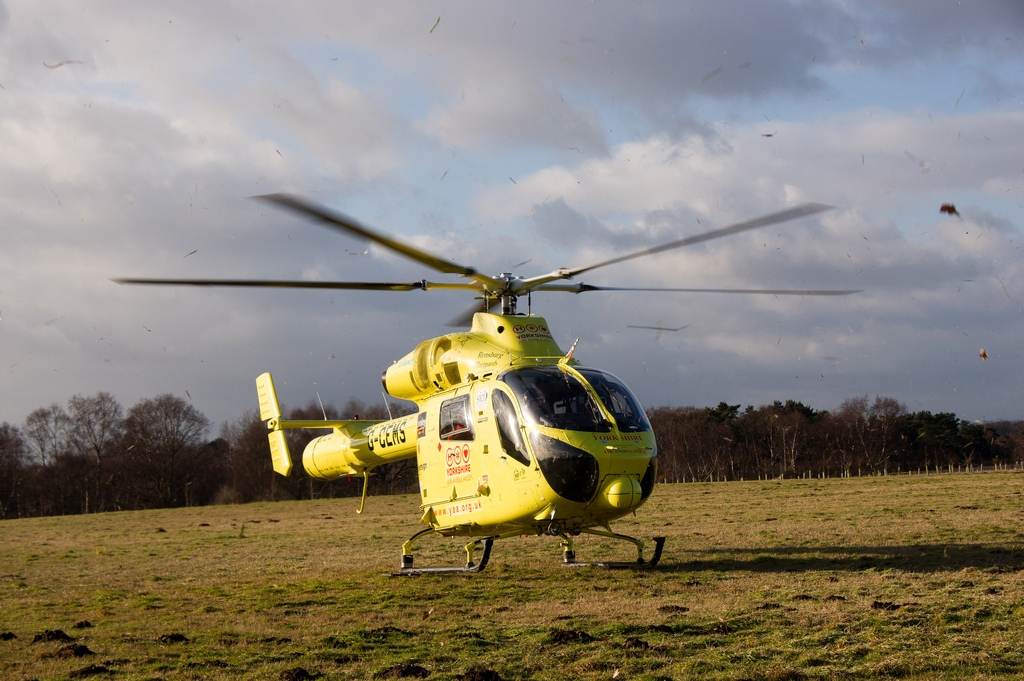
(622, 491)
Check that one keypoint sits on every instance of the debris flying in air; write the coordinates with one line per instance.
(925, 165)
(983, 355)
(435, 24)
(657, 328)
(61, 63)
(710, 74)
(949, 208)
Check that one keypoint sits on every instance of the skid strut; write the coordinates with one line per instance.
(407, 569)
(569, 552)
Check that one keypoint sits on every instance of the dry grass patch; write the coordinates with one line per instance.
(861, 578)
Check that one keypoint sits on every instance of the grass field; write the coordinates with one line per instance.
(863, 578)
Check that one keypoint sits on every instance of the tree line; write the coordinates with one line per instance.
(790, 439)
(93, 456)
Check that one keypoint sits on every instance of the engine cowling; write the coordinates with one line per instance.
(494, 343)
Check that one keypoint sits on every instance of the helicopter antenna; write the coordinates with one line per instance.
(322, 410)
(571, 350)
(386, 405)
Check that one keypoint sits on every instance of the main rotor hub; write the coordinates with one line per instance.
(508, 303)
(507, 297)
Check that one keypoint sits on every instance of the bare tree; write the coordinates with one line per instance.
(884, 418)
(95, 427)
(46, 430)
(846, 440)
(95, 423)
(163, 451)
(250, 475)
(668, 424)
(12, 470)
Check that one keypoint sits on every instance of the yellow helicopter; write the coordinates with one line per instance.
(512, 436)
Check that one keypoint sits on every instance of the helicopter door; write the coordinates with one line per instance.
(460, 454)
(514, 454)
(510, 434)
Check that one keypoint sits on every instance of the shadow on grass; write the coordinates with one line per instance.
(993, 557)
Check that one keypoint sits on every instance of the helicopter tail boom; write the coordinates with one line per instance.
(357, 447)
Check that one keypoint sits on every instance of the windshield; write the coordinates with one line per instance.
(617, 399)
(556, 399)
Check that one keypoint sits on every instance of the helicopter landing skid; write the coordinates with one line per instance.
(407, 569)
(569, 553)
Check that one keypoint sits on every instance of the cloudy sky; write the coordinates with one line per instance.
(514, 137)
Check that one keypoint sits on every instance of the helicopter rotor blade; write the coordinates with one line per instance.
(349, 225)
(491, 288)
(763, 221)
(657, 328)
(583, 288)
(264, 283)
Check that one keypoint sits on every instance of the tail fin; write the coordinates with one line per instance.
(270, 411)
(269, 408)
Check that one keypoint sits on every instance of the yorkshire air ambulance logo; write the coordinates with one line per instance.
(456, 464)
(531, 332)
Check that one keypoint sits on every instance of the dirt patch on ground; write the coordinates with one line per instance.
(297, 674)
(51, 635)
(563, 636)
(400, 671)
(480, 675)
(219, 664)
(74, 650)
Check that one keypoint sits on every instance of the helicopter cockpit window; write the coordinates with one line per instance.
(455, 420)
(509, 434)
(617, 399)
(551, 397)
